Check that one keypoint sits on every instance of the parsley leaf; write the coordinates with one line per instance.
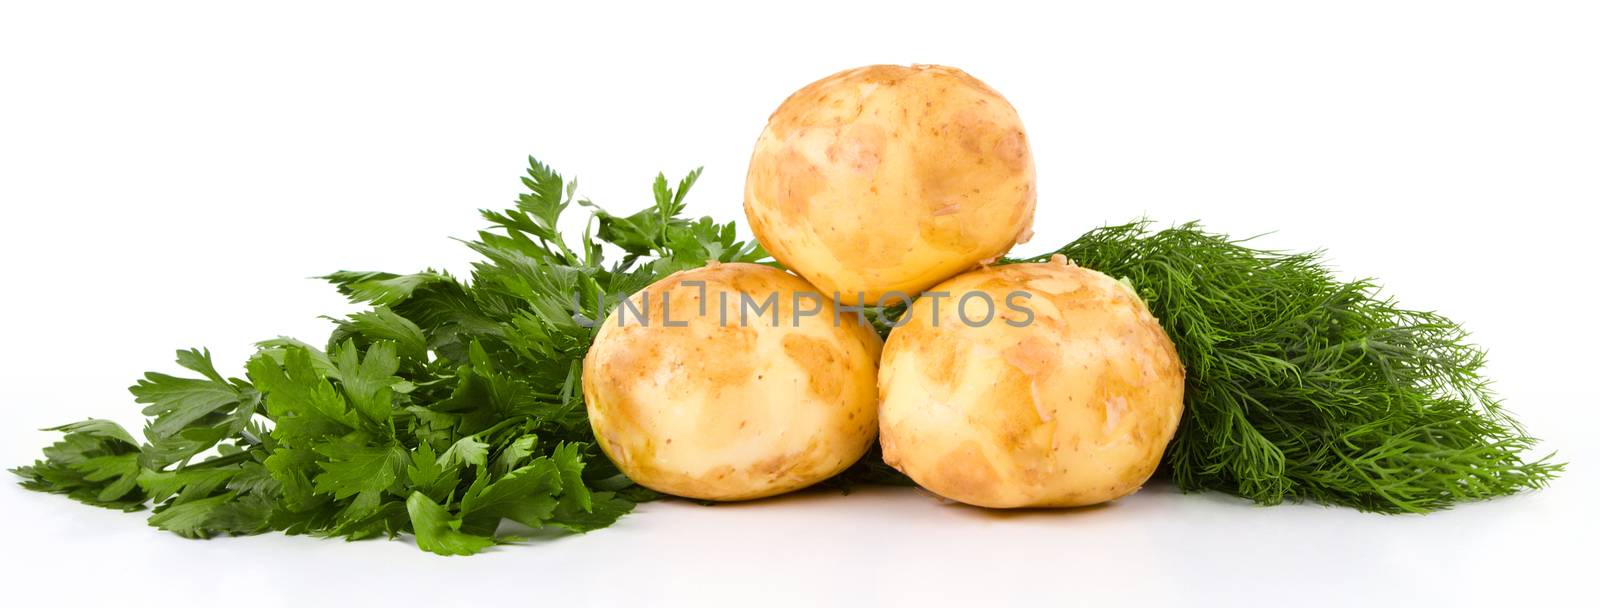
(445, 408)
(438, 531)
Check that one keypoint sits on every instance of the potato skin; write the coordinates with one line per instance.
(718, 411)
(890, 179)
(1074, 409)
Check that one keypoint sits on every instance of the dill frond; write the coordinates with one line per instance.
(1305, 387)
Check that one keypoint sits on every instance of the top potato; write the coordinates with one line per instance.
(890, 179)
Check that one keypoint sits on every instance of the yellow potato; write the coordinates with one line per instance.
(710, 400)
(1074, 408)
(890, 179)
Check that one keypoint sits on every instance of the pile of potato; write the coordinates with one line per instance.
(1020, 385)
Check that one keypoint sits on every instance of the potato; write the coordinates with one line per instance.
(716, 400)
(890, 179)
(1074, 407)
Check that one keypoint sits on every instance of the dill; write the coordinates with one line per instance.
(1305, 387)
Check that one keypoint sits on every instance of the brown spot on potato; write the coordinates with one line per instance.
(821, 360)
(791, 185)
(888, 448)
(1012, 149)
(964, 473)
(1037, 359)
(776, 465)
(943, 361)
(859, 149)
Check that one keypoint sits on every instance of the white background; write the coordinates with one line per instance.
(170, 174)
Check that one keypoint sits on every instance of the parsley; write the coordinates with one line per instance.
(446, 409)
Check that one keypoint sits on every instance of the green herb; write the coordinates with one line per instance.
(446, 409)
(450, 407)
(1302, 386)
